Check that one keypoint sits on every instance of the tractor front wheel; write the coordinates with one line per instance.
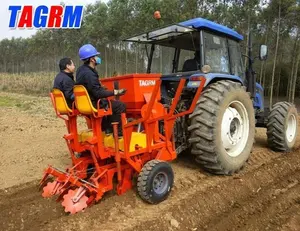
(155, 181)
(222, 128)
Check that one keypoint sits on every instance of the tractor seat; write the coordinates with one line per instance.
(59, 102)
(84, 104)
(190, 65)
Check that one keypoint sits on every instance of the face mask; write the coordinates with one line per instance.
(98, 60)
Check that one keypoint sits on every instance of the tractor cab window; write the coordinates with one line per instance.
(162, 60)
(236, 59)
(216, 53)
(176, 54)
(188, 61)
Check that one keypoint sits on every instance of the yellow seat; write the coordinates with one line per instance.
(83, 101)
(60, 103)
(137, 138)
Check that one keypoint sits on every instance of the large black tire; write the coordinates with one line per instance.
(206, 127)
(155, 181)
(282, 127)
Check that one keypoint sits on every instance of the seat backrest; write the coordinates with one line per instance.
(190, 65)
(82, 100)
(60, 102)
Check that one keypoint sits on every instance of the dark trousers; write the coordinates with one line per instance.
(118, 107)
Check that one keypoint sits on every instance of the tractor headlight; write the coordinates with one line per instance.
(206, 69)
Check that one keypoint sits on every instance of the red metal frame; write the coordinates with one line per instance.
(71, 137)
(109, 162)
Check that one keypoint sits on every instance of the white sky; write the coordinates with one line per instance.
(6, 32)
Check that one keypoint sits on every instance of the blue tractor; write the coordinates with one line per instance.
(220, 132)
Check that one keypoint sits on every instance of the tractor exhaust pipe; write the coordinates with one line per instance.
(250, 74)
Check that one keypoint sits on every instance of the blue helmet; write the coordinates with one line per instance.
(87, 51)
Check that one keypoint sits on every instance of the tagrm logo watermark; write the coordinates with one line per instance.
(65, 17)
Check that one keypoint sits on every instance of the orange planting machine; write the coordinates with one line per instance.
(102, 161)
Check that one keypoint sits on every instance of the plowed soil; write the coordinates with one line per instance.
(265, 195)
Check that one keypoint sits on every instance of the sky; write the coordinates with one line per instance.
(6, 32)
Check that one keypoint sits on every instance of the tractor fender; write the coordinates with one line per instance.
(258, 101)
(214, 77)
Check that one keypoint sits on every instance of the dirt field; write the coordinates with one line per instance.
(265, 195)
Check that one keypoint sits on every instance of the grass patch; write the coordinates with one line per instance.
(9, 102)
(37, 105)
(37, 84)
(6, 101)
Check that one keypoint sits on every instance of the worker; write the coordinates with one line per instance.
(87, 76)
(64, 80)
(192, 64)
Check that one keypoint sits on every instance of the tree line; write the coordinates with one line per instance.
(275, 23)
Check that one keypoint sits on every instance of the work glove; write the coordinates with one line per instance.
(119, 92)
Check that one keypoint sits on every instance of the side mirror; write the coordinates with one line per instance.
(263, 52)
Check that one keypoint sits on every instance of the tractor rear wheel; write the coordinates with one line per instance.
(222, 128)
(282, 127)
(155, 181)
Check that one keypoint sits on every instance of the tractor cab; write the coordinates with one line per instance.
(194, 46)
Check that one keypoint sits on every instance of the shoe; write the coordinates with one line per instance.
(108, 131)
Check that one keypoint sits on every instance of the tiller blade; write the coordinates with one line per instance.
(75, 200)
(51, 189)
